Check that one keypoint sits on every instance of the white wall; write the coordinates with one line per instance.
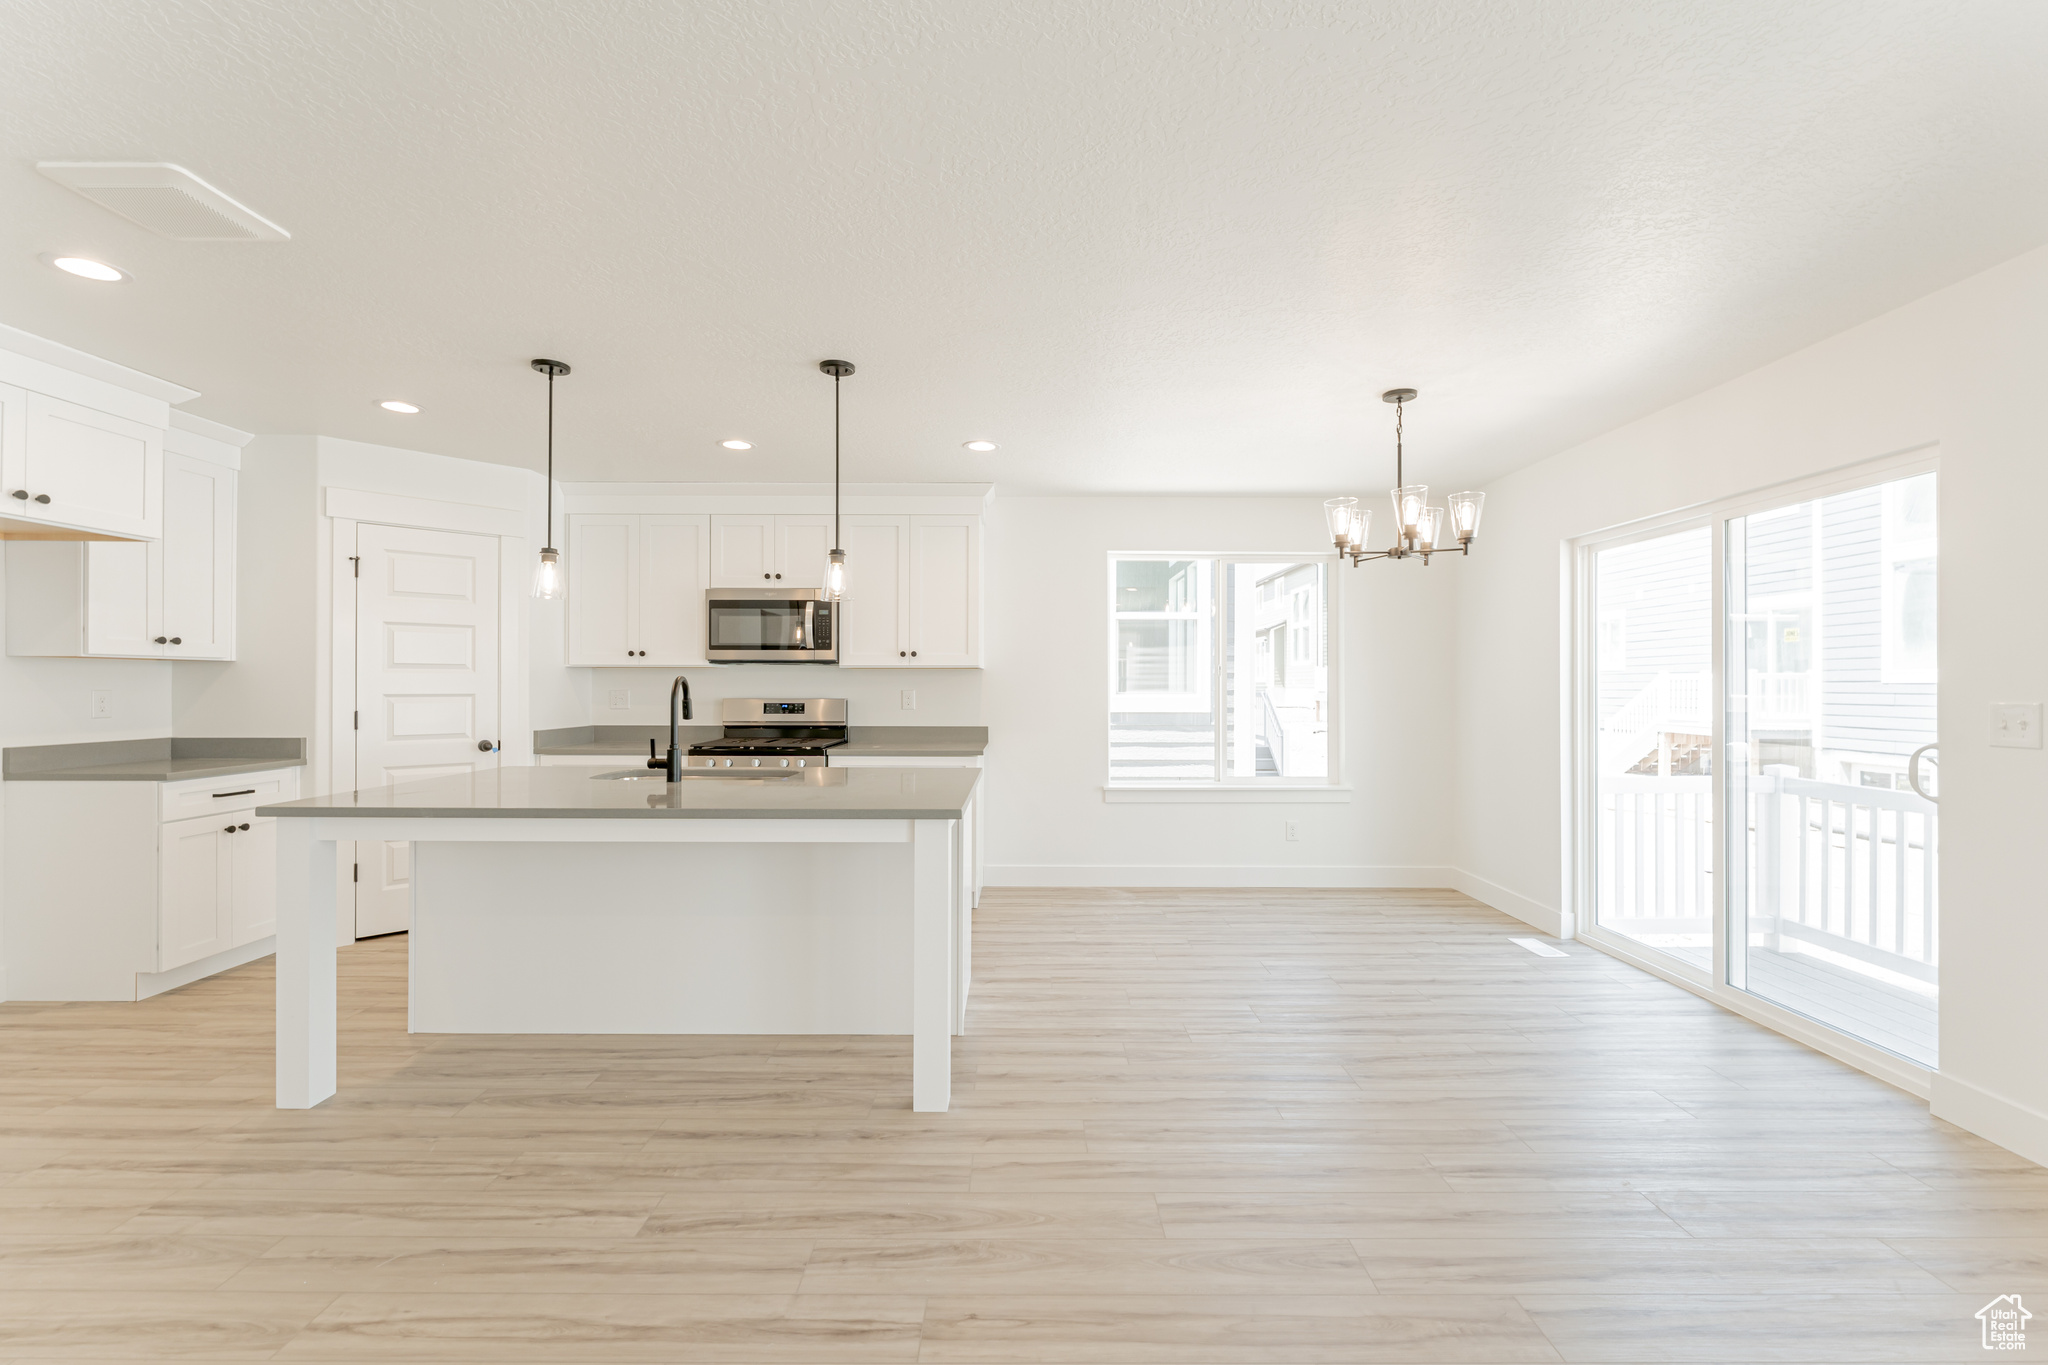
(1961, 368)
(1045, 698)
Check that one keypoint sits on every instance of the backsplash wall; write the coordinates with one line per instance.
(874, 696)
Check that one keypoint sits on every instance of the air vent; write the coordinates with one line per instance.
(166, 199)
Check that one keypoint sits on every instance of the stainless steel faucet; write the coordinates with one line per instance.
(678, 712)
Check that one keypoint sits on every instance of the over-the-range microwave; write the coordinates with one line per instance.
(771, 626)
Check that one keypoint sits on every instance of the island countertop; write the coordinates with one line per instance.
(574, 794)
(862, 741)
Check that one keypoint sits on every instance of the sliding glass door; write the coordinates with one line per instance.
(1652, 695)
(1829, 681)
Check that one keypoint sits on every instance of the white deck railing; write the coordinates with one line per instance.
(1845, 868)
(1682, 704)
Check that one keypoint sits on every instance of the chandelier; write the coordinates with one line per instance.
(1418, 527)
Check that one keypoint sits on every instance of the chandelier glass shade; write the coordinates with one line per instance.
(1419, 528)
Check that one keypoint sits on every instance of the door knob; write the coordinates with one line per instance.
(486, 746)
(42, 497)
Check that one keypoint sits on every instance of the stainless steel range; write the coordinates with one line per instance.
(762, 732)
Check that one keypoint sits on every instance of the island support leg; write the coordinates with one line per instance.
(305, 965)
(931, 968)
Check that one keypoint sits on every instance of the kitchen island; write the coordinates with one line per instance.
(557, 900)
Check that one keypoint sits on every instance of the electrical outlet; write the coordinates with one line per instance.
(2016, 725)
(910, 699)
(1293, 831)
(619, 699)
(102, 704)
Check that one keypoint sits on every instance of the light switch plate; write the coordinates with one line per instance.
(2016, 725)
(619, 699)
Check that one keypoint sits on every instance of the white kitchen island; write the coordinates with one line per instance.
(547, 900)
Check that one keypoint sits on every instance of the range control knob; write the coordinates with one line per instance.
(753, 762)
(800, 763)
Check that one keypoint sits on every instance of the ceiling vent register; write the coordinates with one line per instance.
(168, 200)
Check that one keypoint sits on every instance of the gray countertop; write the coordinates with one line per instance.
(149, 760)
(862, 741)
(572, 793)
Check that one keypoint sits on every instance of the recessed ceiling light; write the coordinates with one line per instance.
(87, 269)
(393, 405)
(978, 445)
(737, 445)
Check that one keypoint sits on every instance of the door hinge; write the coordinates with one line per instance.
(355, 872)
(355, 720)
(357, 560)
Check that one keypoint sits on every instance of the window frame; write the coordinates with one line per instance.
(1330, 786)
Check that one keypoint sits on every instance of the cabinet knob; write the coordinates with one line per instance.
(161, 640)
(241, 827)
(21, 493)
(913, 654)
(231, 829)
(46, 500)
(42, 497)
(643, 653)
(901, 654)
(177, 640)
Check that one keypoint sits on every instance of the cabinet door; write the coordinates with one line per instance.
(100, 472)
(675, 562)
(198, 554)
(742, 551)
(252, 853)
(124, 599)
(873, 616)
(193, 891)
(603, 611)
(13, 449)
(802, 546)
(945, 592)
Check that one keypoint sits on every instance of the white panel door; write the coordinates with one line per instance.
(945, 592)
(674, 571)
(873, 618)
(602, 609)
(742, 551)
(198, 556)
(124, 599)
(252, 855)
(192, 899)
(427, 685)
(99, 471)
(802, 549)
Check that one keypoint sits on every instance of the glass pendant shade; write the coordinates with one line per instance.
(1465, 510)
(1432, 527)
(1409, 500)
(547, 576)
(1347, 522)
(835, 577)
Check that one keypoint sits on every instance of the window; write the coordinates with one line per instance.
(1907, 557)
(1219, 671)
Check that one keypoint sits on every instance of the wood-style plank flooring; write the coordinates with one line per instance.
(1188, 1126)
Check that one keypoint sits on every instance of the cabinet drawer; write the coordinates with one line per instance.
(207, 796)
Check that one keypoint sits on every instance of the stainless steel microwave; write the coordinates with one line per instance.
(771, 626)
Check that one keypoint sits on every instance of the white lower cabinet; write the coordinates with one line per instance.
(111, 885)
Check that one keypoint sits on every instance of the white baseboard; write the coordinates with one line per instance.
(1556, 923)
(1219, 875)
(156, 983)
(1994, 1118)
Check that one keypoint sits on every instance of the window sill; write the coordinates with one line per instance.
(1219, 793)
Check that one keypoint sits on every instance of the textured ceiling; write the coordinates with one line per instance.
(1141, 245)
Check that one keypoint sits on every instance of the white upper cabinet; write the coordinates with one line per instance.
(749, 551)
(875, 617)
(636, 589)
(945, 592)
(77, 468)
(171, 598)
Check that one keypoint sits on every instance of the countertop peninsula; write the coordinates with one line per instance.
(149, 760)
(573, 793)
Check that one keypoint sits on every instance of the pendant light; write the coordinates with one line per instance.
(835, 567)
(1419, 529)
(547, 575)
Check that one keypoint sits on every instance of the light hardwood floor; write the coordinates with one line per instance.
(1187, 1126)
